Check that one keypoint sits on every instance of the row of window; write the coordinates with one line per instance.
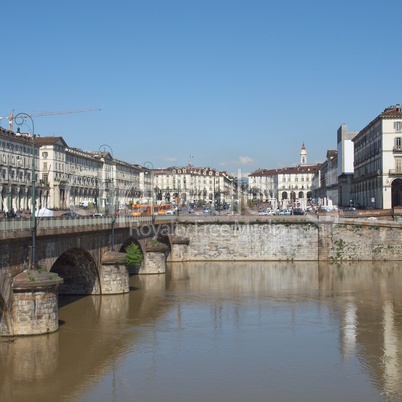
(20, 175)
(296, 187)
(369, 169)
(195, 172)
(164, 181)
(295, 179)
(16, 148)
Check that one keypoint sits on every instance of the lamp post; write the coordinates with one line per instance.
(20, 119)
(102, 149)
(150, 167)
(9, 188)
(292, 197)
(219, 196)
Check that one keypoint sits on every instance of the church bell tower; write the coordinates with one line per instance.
(303, 156)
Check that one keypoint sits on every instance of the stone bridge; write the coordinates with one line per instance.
(73, 259)
(77, 257)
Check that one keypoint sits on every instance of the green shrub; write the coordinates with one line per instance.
(133, 255)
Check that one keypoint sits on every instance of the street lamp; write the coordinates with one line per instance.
(150, 167)
(9, 203)
(20, 119)
(112, 193)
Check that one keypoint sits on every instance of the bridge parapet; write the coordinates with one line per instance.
(22, 227)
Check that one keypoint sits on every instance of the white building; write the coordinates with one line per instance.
(16, 171)
(377, 181)
(65, 176)
(345, 148)
(325, 181)
(282, 187)
(190, 185)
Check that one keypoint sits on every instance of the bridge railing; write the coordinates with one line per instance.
(21, 224)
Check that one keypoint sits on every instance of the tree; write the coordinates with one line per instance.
(133, 255)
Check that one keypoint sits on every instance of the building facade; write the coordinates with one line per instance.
(18, 168)
(377, 180)
(325, 181)
(192, 185)
(64, 177)
(345, 148)
(286, 186)
(365, 170)
(67, 177)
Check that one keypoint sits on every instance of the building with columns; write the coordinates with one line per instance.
(285, 186)
(190, 185)
(16, 171)
(64, 176)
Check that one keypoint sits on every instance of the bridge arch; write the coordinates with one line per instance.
(133, 270)
(128, 242)
(164, 239)
(79, 272)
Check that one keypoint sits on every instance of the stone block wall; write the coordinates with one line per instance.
(178, 253)
(293, 241)
(35, 312)
(364, 242)
(155, 263)
(259, 241)
(114, 279)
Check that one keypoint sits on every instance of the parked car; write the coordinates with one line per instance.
(298, 211)
(326, 209)
(169, 212)
(12, 214)
(206, 211)
(71, 215)
(98, 215)
(263, 213)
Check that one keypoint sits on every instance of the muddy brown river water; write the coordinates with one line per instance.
(227, 331)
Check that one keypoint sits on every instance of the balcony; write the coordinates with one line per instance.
(395, 172)
(44, 183)
(397, 149)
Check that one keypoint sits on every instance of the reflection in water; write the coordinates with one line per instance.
(391, 366)
(221, 332)
(348, 330)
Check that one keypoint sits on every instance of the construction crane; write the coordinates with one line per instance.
(11, 116)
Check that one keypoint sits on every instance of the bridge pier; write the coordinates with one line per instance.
(179, 248)
(113, 273)
(155, 254)
(35, 306)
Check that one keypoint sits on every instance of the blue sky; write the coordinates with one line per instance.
(233, 84)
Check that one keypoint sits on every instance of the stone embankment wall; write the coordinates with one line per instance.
(293, 241)
(363, 241)
(239, 241)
